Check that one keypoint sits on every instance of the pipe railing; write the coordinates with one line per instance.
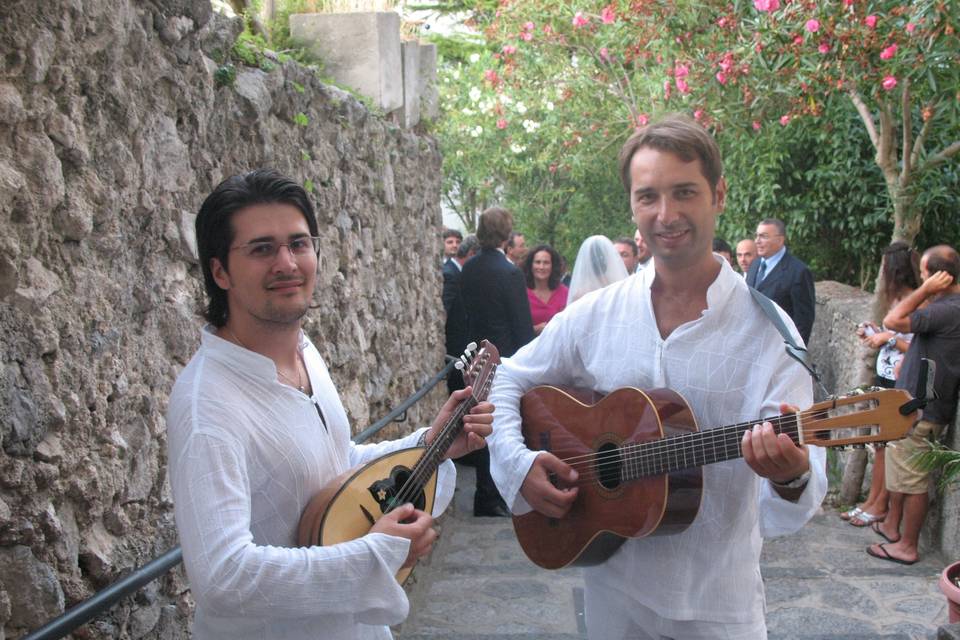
(105, 599)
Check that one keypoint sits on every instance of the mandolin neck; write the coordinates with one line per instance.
(696, 449)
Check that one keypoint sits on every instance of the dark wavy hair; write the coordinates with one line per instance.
(215, 233)
(901, 269)
(556, 266)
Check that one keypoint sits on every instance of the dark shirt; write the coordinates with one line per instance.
(936, 335)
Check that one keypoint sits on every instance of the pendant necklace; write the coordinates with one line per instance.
(298, 384)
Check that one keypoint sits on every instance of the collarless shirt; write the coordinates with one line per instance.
(731, 367)
(772, 261)
(246, 454)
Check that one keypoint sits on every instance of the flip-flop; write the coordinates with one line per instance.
(876, 529)
(865, 518)
(846, 515)
(886, 555)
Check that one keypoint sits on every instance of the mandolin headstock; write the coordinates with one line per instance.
(478, 367)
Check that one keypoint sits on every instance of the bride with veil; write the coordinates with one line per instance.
(597, 265)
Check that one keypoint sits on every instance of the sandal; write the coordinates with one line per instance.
(876, 529)
(864, 519)
(846, 515)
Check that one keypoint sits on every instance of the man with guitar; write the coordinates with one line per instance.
(256, 428)
(690, 325)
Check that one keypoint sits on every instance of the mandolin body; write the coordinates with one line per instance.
(350, 504)
(608, 510)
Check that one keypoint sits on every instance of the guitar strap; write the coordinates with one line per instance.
(793, 350)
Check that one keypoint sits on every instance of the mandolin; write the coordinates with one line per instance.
(639, 456)
(350, 504)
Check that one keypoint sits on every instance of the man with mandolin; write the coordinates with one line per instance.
(256, 429)
(688, 327)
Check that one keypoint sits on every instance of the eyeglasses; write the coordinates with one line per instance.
(766, 236)
(268, 249)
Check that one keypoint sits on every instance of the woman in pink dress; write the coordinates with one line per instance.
(547, 295)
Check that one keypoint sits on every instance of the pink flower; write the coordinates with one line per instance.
(798, 40)
(501, 124)
(490, 76)
(910, 27)
(726, 64)
(824, 48)
(756, 125)
(889, 52)
(889, 82)
(528, 26)
(607, 15)
(666, 89)
(526, 36)
(848, 3)
(722, 22)
(870, 21)
(580, 20)
(604, 54)
(812, 26)
(758, 47)
(643, 120)
(698, 114)
(682, 86)
(509, 49)
(681, 71)
(547, 29)
(766, 5)
(721, 78)
(784, 121)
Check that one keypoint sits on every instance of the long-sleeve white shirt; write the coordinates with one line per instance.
(731, 367)
(246, 454)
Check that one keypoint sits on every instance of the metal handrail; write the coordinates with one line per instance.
(106, 598)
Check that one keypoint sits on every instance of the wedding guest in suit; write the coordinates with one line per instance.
(595, 268)
(451, 240)
(546, 294)
(629, 253)
(516, 249)
(783, 277)
(495, 297)
(457, 326)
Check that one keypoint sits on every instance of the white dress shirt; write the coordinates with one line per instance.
(246, 454)
(731, 367)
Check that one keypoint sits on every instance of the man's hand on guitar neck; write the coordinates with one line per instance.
(550, 486)
(477, 424)
(407, 522)
(775, 456)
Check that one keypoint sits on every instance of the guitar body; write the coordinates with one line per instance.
(571, 423)
(350, 504)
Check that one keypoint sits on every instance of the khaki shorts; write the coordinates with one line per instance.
(901, 476)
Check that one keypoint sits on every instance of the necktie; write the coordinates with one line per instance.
(762, 271)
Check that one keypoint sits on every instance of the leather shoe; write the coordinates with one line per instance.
(493, 509)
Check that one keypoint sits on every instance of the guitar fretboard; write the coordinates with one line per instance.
(697, 449)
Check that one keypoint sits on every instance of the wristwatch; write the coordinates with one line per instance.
(796, 483)
(892, 342)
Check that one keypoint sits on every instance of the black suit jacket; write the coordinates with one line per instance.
(790, 285)
(456, 328)
(495, 296)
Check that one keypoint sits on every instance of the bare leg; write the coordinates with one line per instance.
(914, 512)
(890, 527)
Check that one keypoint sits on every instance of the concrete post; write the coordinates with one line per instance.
(359, 50)
(429, 96)
(411, 84)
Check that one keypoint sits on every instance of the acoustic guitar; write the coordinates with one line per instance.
(350, 504)
(639, 456)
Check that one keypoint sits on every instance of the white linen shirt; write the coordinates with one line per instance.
(246, 454)
(730, 366)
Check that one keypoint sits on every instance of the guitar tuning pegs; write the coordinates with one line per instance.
(458, 366)
(472, 347)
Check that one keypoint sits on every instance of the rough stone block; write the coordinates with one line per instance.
(35, 595)
(429, 96)
(360, 50)
(410, 53)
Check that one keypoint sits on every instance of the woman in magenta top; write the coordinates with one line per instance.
(547, 295)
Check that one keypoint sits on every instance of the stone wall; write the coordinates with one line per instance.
(112, 130)
(844, 364)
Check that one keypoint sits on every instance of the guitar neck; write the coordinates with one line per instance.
(697, 449)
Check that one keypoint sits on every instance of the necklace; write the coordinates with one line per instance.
(298, 384)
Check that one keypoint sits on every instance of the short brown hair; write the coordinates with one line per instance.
(677, 134)
(494, 227)
(943, 257)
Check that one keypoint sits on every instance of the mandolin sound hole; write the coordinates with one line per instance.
(608, 465)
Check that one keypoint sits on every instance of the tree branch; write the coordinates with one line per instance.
(866, 116)
(921, 139)
(941, 156)
(906, 166)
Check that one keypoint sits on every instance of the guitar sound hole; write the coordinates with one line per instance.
(608, 464)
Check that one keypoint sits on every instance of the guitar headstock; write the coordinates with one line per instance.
(478, 367)
(872, 416)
